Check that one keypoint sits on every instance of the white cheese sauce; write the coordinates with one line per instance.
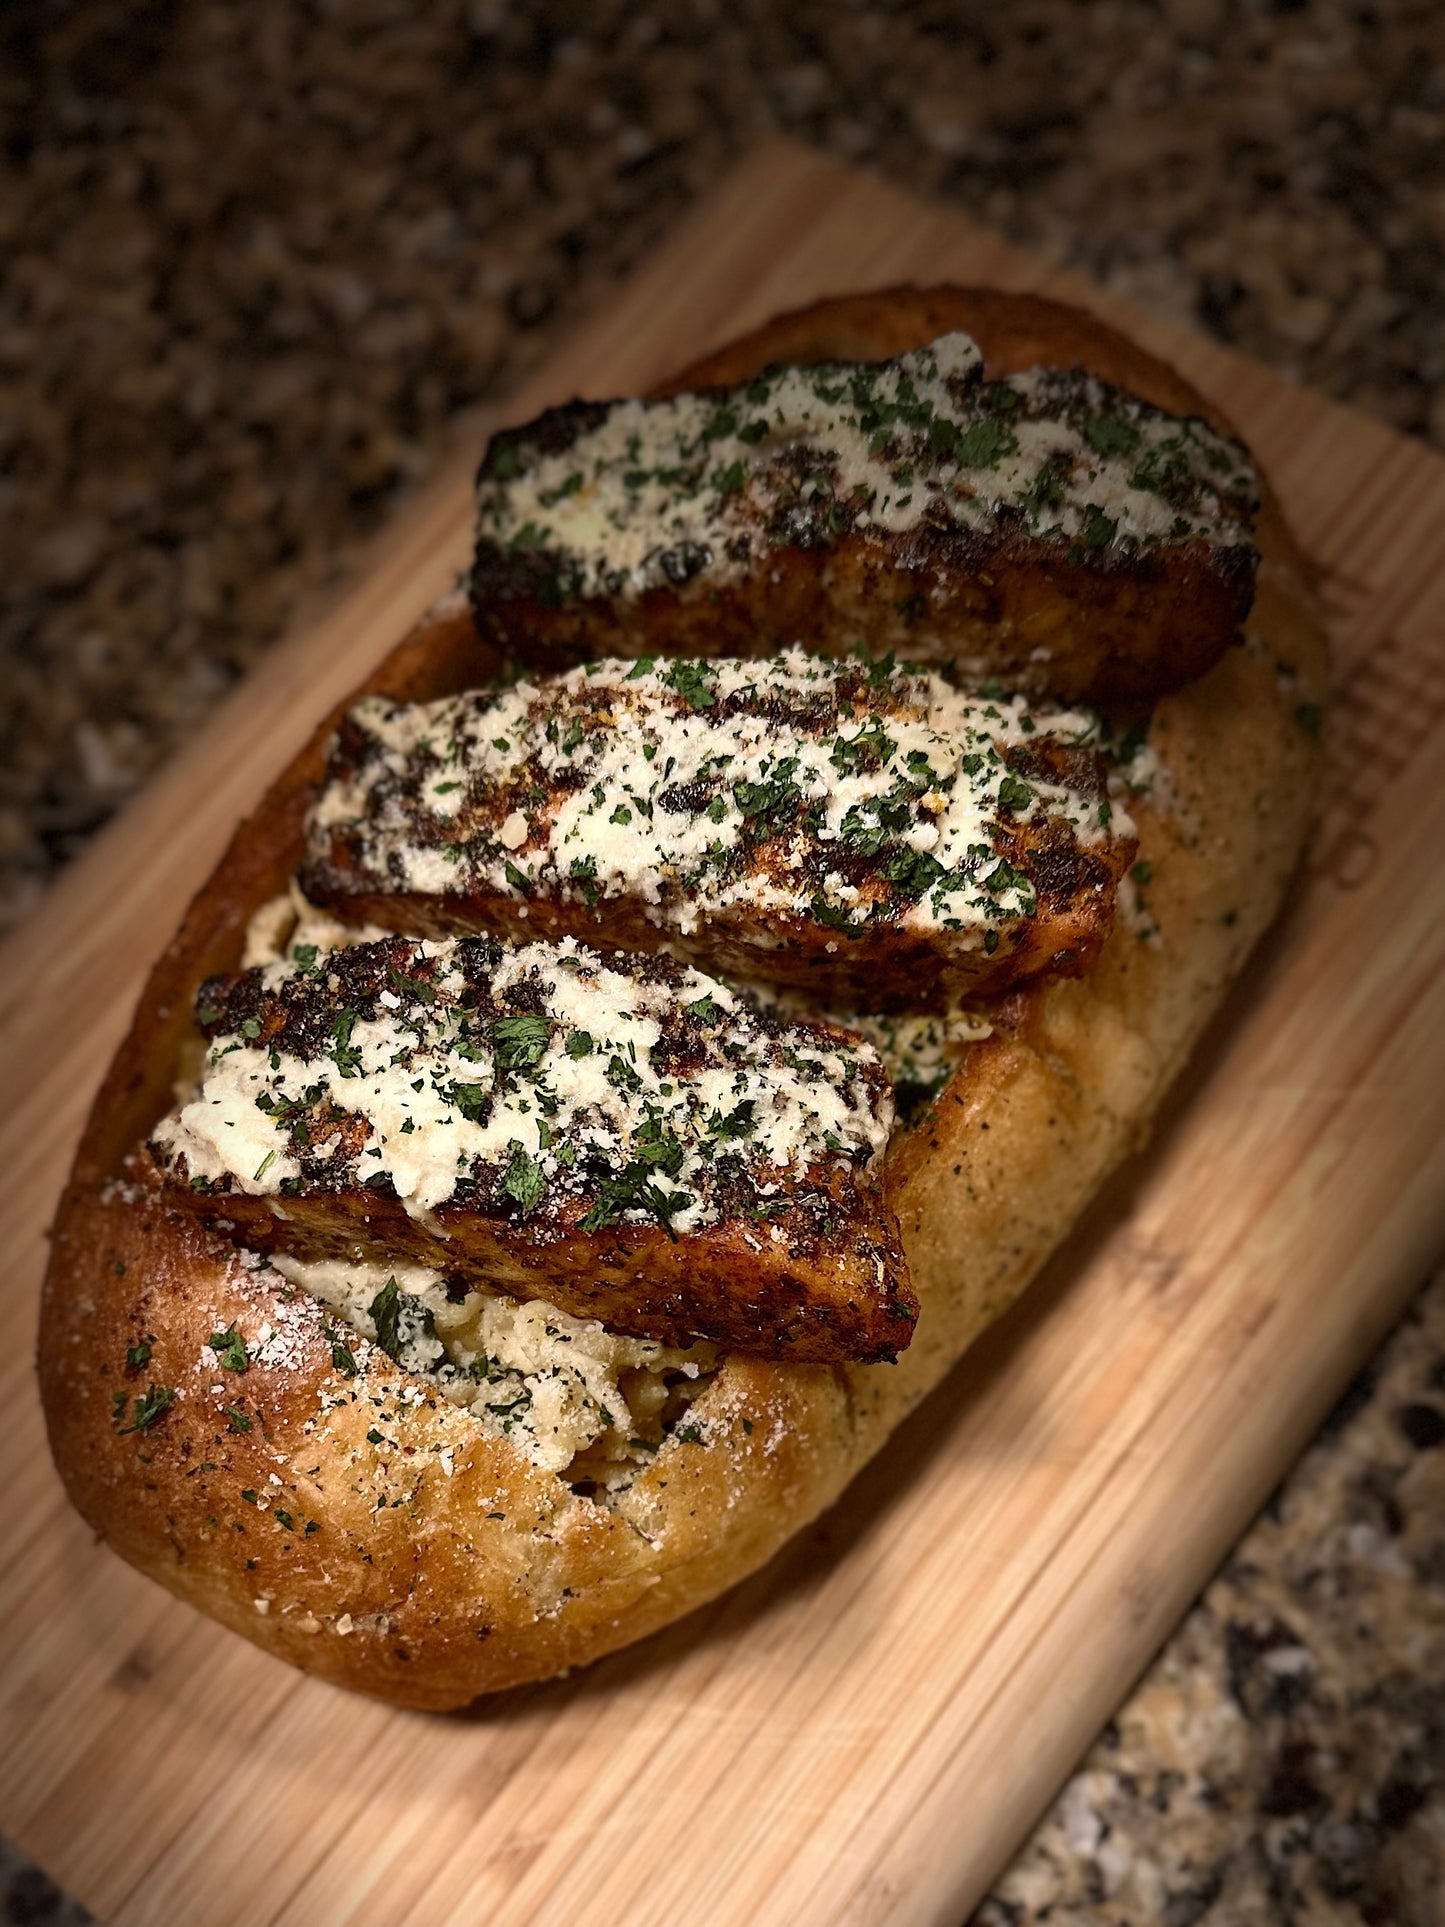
(654, 491)
(793, 784)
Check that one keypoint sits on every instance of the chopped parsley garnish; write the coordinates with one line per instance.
(530, 536)
(150, 1406)
(584, 872)
(474, 1101)
(740, 1122)
(230, 1348)
(825, 912)
(343, 1053)
(1045, 491)
(385, 1311)
(621, 1075)
(1014, 794)
(983, 444)
(869, 749)
(913, 871)
(523, 1180)
(1005, 877)
(520, 1043)
(695, 682)
(1109, 435)
(770, 805)
(635, 1189)
(1099, 529)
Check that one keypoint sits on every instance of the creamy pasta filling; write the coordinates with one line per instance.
(574, 1397)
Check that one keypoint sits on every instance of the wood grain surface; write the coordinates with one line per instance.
(864, 1731)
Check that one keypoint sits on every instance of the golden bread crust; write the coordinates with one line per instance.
(429, 1598)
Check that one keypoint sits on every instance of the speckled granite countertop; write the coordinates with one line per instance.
(260, 264)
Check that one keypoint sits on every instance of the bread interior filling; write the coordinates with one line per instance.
(575, 1398)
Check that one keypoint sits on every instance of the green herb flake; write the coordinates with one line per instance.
(230, 1348)
(520, 1043)
(343, 1053)
(1108, 435)
(824, 912)
(1099, 529)
(474, 1101)
(149, 1408)
(523, 1180)
(983, 444)
(385, 1311)
(693, 681)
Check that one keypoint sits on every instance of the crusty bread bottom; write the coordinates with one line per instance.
(444, 1564)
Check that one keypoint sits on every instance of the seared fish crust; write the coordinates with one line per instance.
(632, 1143)
(1047, 528)
(861, 831)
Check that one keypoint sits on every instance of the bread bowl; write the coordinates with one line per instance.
(441, 1562)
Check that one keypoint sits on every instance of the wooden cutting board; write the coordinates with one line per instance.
(864, 1731)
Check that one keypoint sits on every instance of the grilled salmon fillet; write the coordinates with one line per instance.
(629, 1142)
(864, 832)
(1046, 528)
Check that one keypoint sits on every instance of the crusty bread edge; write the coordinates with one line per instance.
(440, 1564)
